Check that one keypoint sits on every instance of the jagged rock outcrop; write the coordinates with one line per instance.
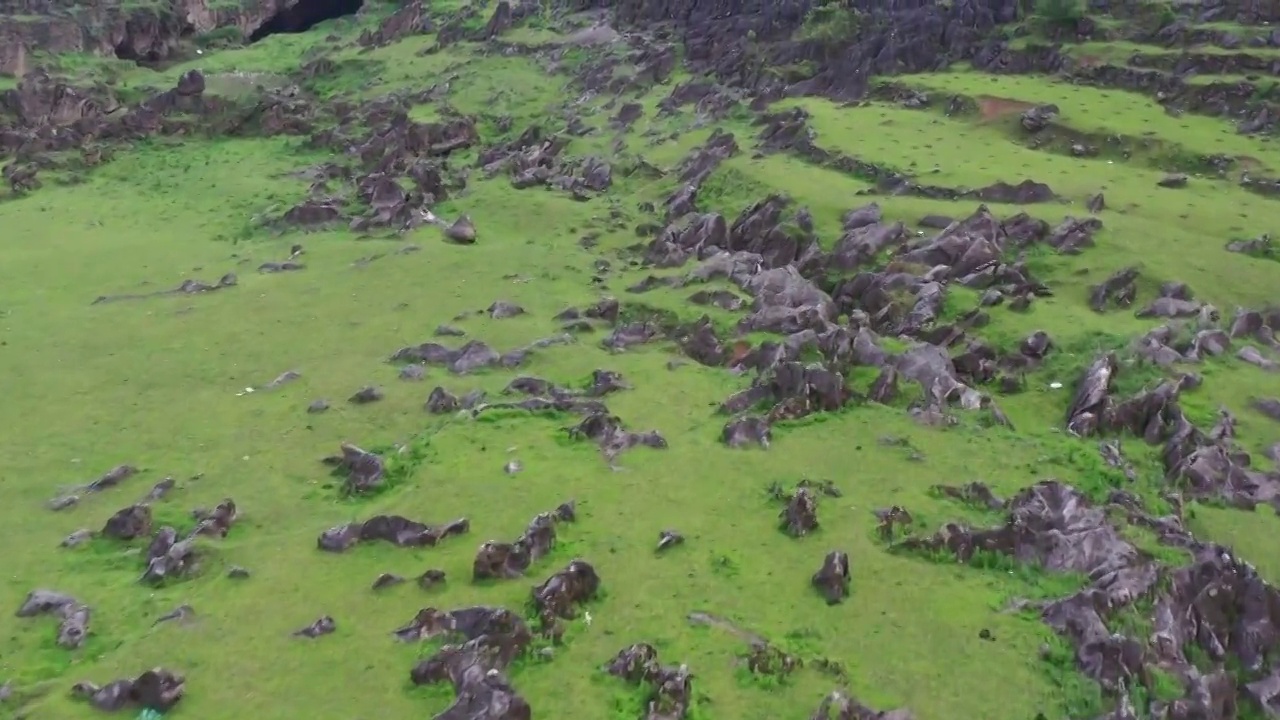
(148, 34)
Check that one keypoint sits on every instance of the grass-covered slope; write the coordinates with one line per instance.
(160, 383)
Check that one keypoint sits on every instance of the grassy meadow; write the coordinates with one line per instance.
(159, 383)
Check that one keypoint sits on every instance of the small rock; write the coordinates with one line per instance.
(462, 231)
(237, 573)
(501, 310)
(160, 489)
(182, 613)
(1038, 118)
(449, 331)
(77, 538)
(668, 539)
(386, 580)
(366, 395)
(1173, 180)
(284, 377)
(412, 372)
(64, 502)
(431, 579)
(318, 406)
(323, 626)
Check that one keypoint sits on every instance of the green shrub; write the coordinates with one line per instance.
(830, 22)
(1059, 12)
(223, 37)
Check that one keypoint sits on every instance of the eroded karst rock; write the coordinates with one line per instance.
(607, 432)
(832, 579)
(839, 706)
(670, 687)
(511, 560)
(74, 615)
(157, 690)
(323, 625)
(563, 592)
(744, 431)
(487, 641)
(110, 479)
(395, 529)
(1051, 524)
(168, 557)
(800, 516)
(364, 469)
(128, 523)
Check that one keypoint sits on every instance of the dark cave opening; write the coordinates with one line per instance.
(125, 51)
(304, 16)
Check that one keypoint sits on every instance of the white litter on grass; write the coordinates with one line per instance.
(248, 390)
(1055, 385)
(587, 617)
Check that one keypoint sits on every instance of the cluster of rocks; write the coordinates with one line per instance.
(670, 687)
(157, 690)
(534, 159)
(171, 556)
(47, 123)
(1207, 464)
(74, 615)
(109, 479)
(1215, 604)
(609, 434)
(365, 471)
(799, 290)
(394, 152)
(504, 560)
(491, 639)
(397, 530)
(474, 355)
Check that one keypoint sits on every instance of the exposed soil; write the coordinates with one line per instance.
(994, 108)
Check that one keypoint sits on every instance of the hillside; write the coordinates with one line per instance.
(713, 360)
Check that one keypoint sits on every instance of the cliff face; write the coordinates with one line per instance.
(148, 33)
(743, 42)
(912, 35)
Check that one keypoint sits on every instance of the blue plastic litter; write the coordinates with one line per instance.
(149, 714)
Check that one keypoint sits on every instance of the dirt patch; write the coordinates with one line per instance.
(993, 108)
(1250, 163)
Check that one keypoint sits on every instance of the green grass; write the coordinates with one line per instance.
(158, 383)
(164, 384)
(1121, 51)
(1100, 111)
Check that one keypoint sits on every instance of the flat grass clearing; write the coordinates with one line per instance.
(1098, 110)
(1138, 230)
(1116, 50)
(159, 383)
